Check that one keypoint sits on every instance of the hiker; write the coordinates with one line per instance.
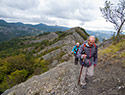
(88, 60)
(75, 51)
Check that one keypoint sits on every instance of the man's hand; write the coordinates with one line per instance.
(94, 65)
(84, 56)
(72, 52)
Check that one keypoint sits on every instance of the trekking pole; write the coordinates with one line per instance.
(80, 74)
(73, 59)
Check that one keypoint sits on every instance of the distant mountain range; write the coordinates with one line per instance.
(40, 26)
(13, 30)
(101, 35)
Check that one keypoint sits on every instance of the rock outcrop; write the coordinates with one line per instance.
(50, 36)
(62, 80)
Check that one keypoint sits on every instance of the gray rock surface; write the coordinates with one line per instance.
(57, 81)
(50, 36)
(62, 80)
(66, 45)
(109, 78)
(51, 54)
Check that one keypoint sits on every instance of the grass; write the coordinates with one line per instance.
(114, 48)
(122, 54)
(113, 52)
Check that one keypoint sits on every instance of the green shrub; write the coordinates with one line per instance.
(45, 33)
(50, 50)
(18, 76)
(16, 69)
(122, 54)
(14, 78)
(59, 32)
(41, 66)
(123, 65)
(59, 56)
(3, 86)
(114, 48)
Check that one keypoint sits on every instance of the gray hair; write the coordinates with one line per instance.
(91, 37)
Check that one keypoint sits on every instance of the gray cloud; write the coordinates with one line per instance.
(70, 9)
(66, 9)
(20, 4)
(54, 12)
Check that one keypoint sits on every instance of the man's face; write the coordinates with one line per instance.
(91, 42)
(77, 45)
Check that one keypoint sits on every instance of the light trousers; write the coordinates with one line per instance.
(86, 71)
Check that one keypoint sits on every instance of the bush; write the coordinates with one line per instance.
(41, 66)
(16, 69)
(59, 32)
(18, 76)
(114, 48)
(14, 78)
(19, 62)
(50, 50)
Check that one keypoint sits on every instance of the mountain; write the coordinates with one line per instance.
(47, 28)
(13, 30)
(42, 27)
(23, 57)
(101, 34)
(62, 79)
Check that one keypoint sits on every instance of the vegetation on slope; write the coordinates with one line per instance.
(116, 53)
(17, 62)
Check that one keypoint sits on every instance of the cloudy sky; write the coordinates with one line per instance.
(69, 13)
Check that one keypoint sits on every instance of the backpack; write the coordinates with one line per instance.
(83, 52)
(76, 49)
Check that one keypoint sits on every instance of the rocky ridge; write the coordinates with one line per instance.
(61, 79)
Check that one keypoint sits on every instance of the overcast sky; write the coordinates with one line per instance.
(69, 13)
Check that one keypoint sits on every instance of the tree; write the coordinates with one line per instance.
(115, 14)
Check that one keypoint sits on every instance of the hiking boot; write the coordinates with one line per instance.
(86, 79)
(84, 86)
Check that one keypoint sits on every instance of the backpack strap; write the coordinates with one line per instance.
(84, 46)
(94, 45)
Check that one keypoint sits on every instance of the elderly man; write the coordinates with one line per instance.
(75, 51)
(88, 60)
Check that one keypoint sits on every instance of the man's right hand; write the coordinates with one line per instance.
(84, 56)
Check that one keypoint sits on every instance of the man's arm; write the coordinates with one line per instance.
(96, 55)
(73, 48)
(80, 51)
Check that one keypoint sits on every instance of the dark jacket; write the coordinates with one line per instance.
(91, 53)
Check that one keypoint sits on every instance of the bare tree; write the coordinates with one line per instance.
(115, 14)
